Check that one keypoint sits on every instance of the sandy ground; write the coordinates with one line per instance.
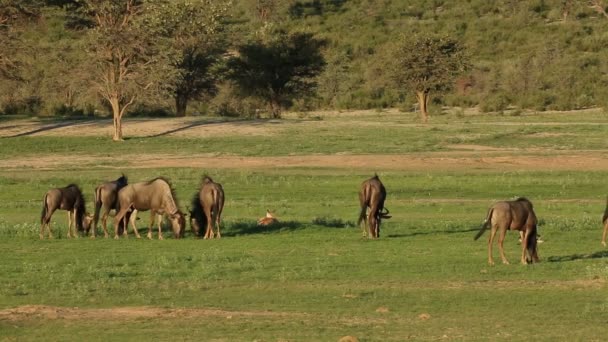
(407, 162)
(461, 157)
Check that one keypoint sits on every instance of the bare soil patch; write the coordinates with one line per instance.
(29, 312)
(184, 127)
(587, 161)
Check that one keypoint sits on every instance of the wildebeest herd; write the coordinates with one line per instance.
(158, 197)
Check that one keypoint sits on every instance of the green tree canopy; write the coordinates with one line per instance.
(423, 63)
(196, 32)
(278, 70)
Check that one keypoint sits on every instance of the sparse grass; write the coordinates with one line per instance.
(313, 270)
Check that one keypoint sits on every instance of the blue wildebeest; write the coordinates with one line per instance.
(156, 195)
(106, 196)
(372, 195)
(71, 199)
(512, 215)
(207, 206)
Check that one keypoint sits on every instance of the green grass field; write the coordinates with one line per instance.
(313, 277)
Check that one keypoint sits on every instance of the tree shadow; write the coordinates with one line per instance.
(198, 123)
(573, 257)
(249, 228)
(50, 127)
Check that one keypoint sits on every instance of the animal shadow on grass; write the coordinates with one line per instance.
(573, 257)
(332, 222)
(248, 228)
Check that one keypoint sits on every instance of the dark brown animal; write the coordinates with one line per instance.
(106, 196)
(207, 206)
(512, 215)
(71, 199)
(372, 195)
(157, 196)
(605, 222)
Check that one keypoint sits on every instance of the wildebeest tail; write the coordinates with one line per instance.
(486, 224)
(44, 209)
(97, 205)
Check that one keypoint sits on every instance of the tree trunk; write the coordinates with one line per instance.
(181, 103)
(116, 114)
(423, 102)
(275, 108)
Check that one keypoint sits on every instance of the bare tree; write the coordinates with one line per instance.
(125, 52)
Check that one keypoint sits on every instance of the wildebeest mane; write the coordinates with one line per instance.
(198, 213)
(122, 181)
(170, 187)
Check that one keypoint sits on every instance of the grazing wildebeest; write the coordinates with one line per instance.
(372, 195)
(605, 222)
(512, 215)
(155, 195)
(106, 196)
(71, 199)
(267, 220)
(207, 206)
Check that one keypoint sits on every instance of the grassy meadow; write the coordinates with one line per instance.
(313, 277)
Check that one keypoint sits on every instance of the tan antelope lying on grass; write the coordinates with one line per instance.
(267, 220)
(512, 215)
(106, 197)
(207, 206)
(157, 196)
(71, 199)
(372, 195)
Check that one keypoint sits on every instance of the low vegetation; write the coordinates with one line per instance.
(312, 276)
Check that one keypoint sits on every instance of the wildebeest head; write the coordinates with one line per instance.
(532, 247)
(87, 221)
(178, 224)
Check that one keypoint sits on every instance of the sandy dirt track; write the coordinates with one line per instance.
(408, 162)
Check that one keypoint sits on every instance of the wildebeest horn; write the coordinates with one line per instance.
(385, 213)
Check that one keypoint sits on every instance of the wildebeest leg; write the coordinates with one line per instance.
(209, 231)
(501, 240)
(75, 231)
(524, 245)
(104, 222)
(46, 223)
(120, 217)
(490, 241)
(605, 233)
(69, 224)
(365, 228)
(160, 223)
(42, 224)
(133, 218)
(217, 222)
(152, 217)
